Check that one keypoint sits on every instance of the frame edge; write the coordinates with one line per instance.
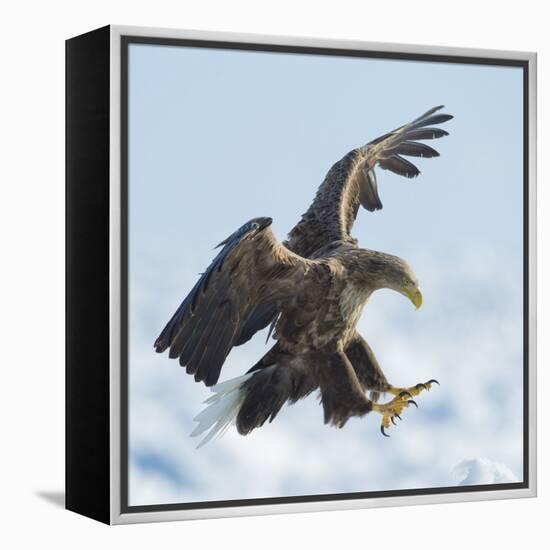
(87, 237)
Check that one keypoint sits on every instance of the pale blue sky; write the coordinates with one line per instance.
(217, 137)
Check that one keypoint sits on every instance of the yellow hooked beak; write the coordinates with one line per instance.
(415, 296)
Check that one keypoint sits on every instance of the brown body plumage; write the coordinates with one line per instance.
(310, 289)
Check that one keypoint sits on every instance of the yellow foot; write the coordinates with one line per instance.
(414, 390)
(393, 409)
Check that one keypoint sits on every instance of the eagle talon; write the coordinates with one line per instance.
(403, 399)
(390, 411)
(413, 390)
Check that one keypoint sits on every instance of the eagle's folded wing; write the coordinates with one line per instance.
(253, 269)
(351, 182)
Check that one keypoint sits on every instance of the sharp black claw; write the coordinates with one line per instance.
(383, 432)
(433, 381)
(398, 417)
(393, 421)
(405, 394)
(420, 385)
(412, 402)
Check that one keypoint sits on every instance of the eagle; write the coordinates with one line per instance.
(310, 290)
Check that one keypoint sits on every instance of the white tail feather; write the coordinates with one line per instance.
(222, 410)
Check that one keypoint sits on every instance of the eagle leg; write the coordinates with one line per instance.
(392, 410)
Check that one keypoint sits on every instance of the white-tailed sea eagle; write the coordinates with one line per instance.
(311, 289)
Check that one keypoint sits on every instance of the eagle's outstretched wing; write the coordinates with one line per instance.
(252, 270)
(351, 182)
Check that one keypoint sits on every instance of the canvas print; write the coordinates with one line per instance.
(359, 328)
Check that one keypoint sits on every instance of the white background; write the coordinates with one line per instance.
(32, 274)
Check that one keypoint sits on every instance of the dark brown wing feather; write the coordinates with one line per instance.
(351, 182)
(252, 271)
